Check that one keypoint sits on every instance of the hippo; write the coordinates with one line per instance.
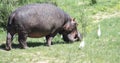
(40, 20)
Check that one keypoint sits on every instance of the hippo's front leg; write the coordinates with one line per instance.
(48, 40)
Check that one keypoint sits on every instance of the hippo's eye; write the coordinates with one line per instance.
(76, 24)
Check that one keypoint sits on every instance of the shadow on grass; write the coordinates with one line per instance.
(31, 44)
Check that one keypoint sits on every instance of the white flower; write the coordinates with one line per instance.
(82, 44)
(99, 31)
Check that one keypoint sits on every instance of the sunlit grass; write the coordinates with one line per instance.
(97, 50)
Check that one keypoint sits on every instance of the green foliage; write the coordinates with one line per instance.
(93, 1)
(7, 6)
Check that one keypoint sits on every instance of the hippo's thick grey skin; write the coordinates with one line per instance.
(39, 20)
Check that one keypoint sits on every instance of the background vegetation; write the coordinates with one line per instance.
(97, 50)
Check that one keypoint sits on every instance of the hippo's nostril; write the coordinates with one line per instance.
(76, 36)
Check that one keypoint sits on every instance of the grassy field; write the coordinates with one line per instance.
(105, 49)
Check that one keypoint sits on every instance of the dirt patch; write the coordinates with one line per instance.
(100, 16)
(80, 3)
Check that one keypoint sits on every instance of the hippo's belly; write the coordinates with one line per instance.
(37, 35)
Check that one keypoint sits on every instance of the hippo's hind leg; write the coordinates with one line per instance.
(22, 37)
(9, 39)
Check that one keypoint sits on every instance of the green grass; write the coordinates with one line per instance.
(105, 49)
(102, 50)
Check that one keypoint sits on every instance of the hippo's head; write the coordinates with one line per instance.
(70, 32)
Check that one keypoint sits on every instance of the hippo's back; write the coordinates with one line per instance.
(44, 12)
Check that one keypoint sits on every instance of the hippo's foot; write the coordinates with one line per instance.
(23, 47)
(47, 44)
(8, 48)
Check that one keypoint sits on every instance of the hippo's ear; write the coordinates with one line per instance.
(72, 19)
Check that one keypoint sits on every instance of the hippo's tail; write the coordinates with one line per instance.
(11, 19)
(11, 23)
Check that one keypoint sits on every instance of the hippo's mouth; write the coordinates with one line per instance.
(72, 37)
(76, 37)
